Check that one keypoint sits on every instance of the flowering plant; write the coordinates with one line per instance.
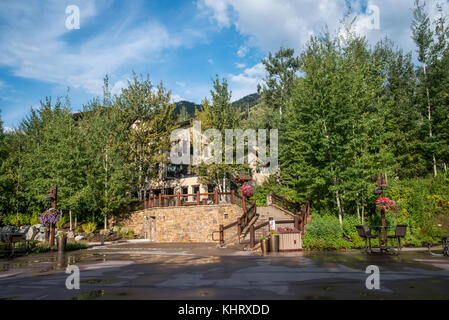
(247, 191)
(49, 217)
(267, 237)
(386, 204)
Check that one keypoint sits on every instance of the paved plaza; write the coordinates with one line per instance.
(143, 270)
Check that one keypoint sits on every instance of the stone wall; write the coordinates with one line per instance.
(182, 224)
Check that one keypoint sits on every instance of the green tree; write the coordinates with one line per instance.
(151, 119)
(282, 68)
(221, 115)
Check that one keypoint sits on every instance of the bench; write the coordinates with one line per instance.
(365, 233)
(399, 233)
(11, 239)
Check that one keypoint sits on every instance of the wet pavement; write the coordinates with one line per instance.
(198, 271)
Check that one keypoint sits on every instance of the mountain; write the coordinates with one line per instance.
(244, 103)
(190, 107)
(248, 101)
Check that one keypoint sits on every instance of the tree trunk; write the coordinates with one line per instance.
(363, 211)
(429, 117)
(340, 215)
(358, 211)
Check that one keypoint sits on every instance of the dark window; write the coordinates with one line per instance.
(177, 171)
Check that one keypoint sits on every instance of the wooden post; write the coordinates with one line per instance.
(239, 226)
(178, 198)
(160, 199)
(221, 235)
(252, 236)
(232, 196)
(198, 198)
(70, 215)
(303, 217)
(296, 221)
(216, 196)
(154, 201)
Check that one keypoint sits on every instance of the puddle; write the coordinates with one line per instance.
(91, 295)
(9, 298)
(95, 281)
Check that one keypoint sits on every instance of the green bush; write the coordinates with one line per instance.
(90, 227)
(60, 224)
(34, 219)
(16, 220)
(72, 246)
(325, 232)
(350, 231)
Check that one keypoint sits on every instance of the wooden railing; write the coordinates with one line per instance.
(196, 199)
(249, 212)
(301, 209)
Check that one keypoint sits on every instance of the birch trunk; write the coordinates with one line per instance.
(429, 117)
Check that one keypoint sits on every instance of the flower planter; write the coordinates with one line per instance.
(264, 246)
(274, 243)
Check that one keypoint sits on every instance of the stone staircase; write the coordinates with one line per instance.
(275, 210)
(264, 214)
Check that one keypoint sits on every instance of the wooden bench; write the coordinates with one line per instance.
(11, 239)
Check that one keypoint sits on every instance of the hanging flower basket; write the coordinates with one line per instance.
(49, 217)
(247, 191)
(386, 204)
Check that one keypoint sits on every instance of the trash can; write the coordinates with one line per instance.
(62, 242)
(289, 239)
(274, 242)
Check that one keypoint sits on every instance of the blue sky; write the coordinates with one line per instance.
(182, 43)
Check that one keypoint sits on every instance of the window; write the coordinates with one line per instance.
(195, 190)
(177, 171)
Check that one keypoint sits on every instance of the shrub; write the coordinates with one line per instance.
(60, 224)
(16, 220)
(350, 231)
(73, 246)
(325, 232)
(90, 227)
(34, 219)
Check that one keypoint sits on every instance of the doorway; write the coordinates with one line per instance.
(152, 236)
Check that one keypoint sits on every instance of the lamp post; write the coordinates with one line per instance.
(53, 197)
(382, 183)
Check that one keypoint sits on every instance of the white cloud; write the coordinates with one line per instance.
(176, 98)
(211, 61)
(240, 65)
(218, 9)
(246, 82)
(270, 24)
(33, 45)
(241, 53)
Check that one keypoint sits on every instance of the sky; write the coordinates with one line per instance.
(185, 44)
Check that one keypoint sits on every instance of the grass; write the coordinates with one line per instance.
(42, 247)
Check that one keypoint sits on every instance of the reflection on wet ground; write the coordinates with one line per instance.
(200, 271)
